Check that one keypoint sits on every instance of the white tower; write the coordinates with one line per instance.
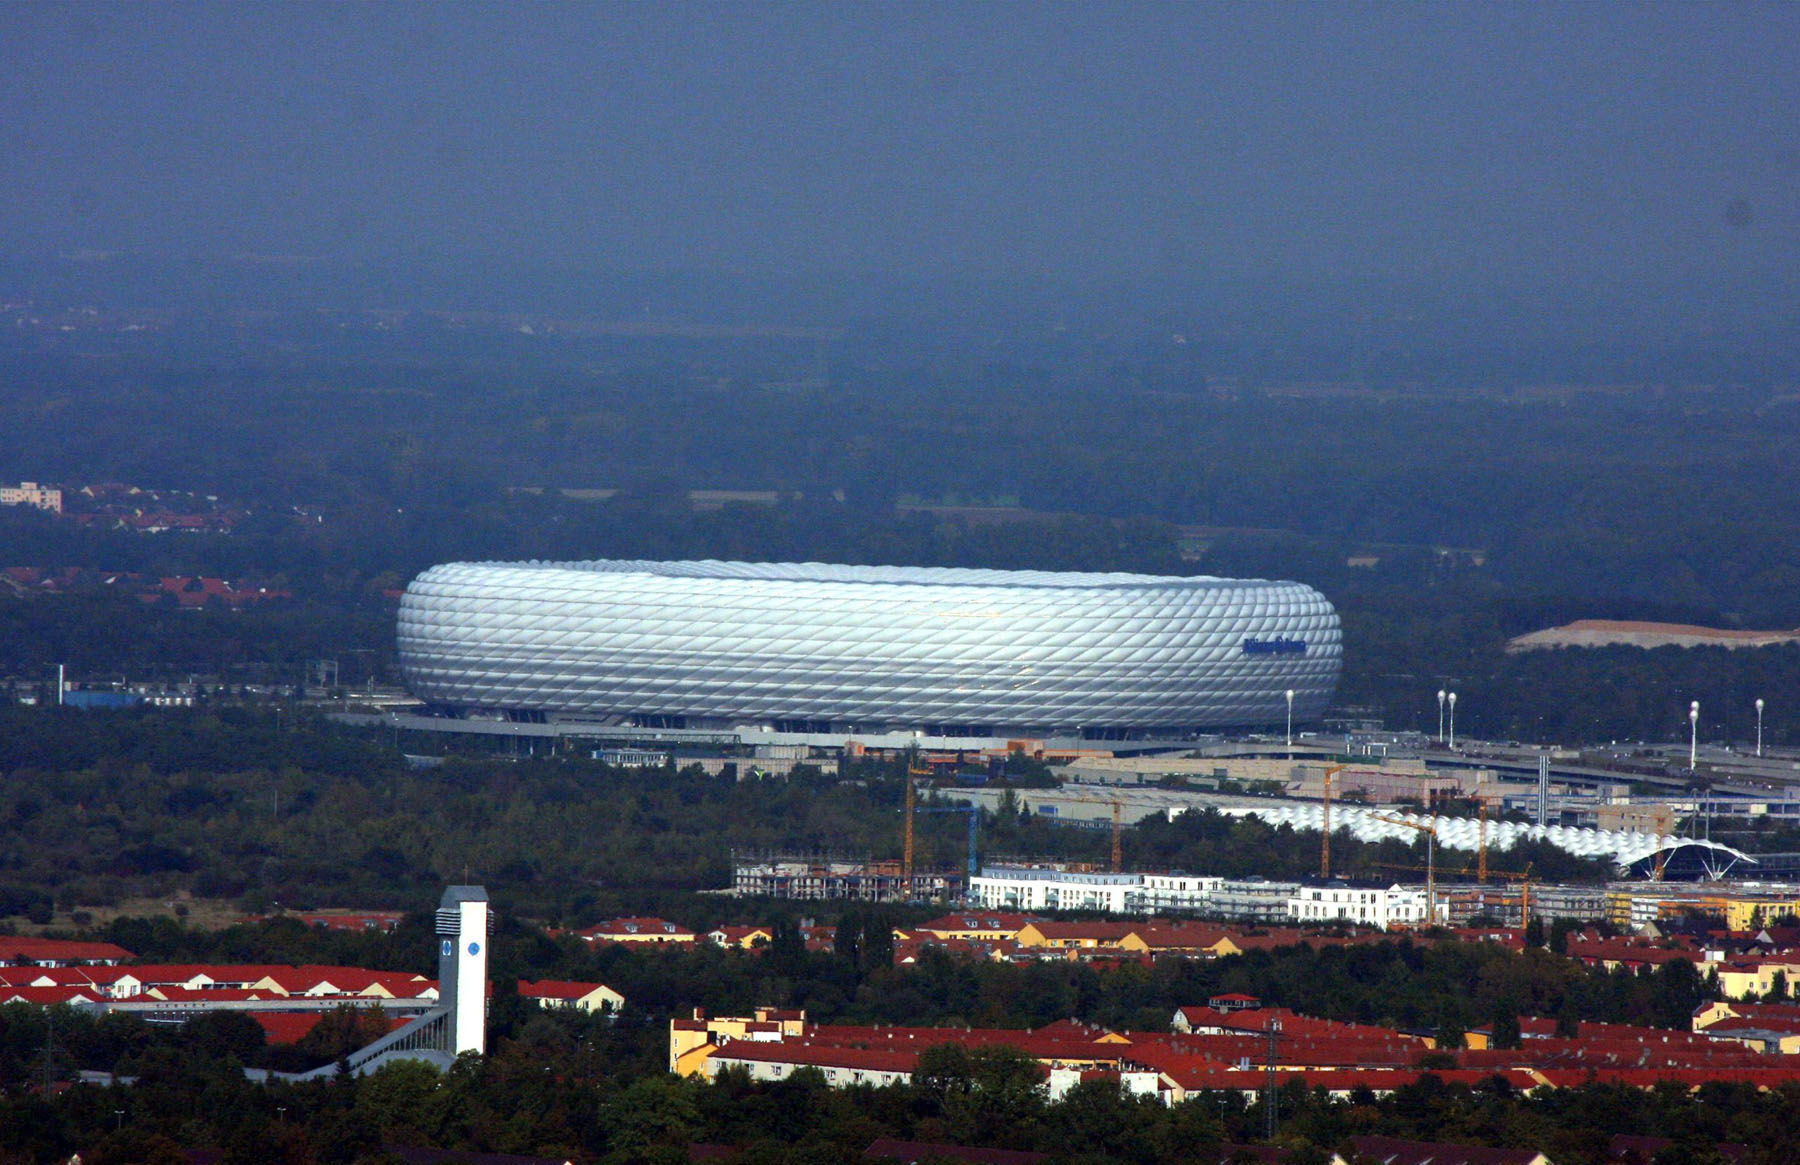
(462, 926)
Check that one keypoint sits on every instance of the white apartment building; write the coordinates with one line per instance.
(30, 493)
(1368, 905)
(1027, 888)
(1255, 900)
(1177, 893)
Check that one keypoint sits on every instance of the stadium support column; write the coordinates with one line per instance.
(462, 927)
(1543, 789)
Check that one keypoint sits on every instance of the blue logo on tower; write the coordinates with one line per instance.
(447, 949)
(474, 949)
(1274, 646)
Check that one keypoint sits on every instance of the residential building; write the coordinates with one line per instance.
(54, 952)
(1367, 904)
(589, 997)
(1177, 893)
(30, 493)
(692, 1041)
(1766, 1027)
(1737, 905)
(1027, 888)
(817, 880)
(637, 930)
(741, 938)
(1075, 936)
(1253, 900)
(975, 926)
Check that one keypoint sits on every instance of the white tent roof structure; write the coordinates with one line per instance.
(1622, 848)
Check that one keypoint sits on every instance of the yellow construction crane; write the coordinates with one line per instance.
(1430, 832)
(1118, 823)
(1466, 871)
(1481, 852)
(906, 851)
(1325, 825)
(1524, 881)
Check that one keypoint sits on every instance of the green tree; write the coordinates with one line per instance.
(1505, 1030)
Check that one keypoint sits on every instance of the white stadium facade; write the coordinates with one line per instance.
(738, 652)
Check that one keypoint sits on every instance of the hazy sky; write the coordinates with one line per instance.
(1459, 142)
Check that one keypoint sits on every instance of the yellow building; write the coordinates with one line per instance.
(743, 938)
(975, 925)
(1751, 980)
(1075, 936)
(1632, 906)
(692, 1042)
(1154, 939)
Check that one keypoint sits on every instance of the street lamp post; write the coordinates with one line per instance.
(1693, 735)
(1290, 722)
(1759, 708)
(1441, 695)
(1452, 700)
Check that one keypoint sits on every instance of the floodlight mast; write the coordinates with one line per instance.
(1693, 736)
(1441, 695)
(1290, 722)
(1452, 721)
(1759, 712)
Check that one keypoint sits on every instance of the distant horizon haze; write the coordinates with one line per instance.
(1624, 154)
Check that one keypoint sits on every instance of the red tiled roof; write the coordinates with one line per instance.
(289, 1027)
(46, 996)
(557, 989)
(286, 1027)
(49, 976)
(643, 926)
(984, 920)
(17, 948)
(172, 994)
(1182, 935)
(1096, 931)
(819, 1055)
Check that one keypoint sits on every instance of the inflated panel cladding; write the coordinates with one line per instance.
(895, 645)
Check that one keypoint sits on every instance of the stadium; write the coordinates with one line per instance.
(820, 654)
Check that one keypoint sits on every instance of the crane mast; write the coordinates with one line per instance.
(1325, 825)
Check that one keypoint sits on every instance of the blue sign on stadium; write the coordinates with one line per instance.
(1274, 647)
